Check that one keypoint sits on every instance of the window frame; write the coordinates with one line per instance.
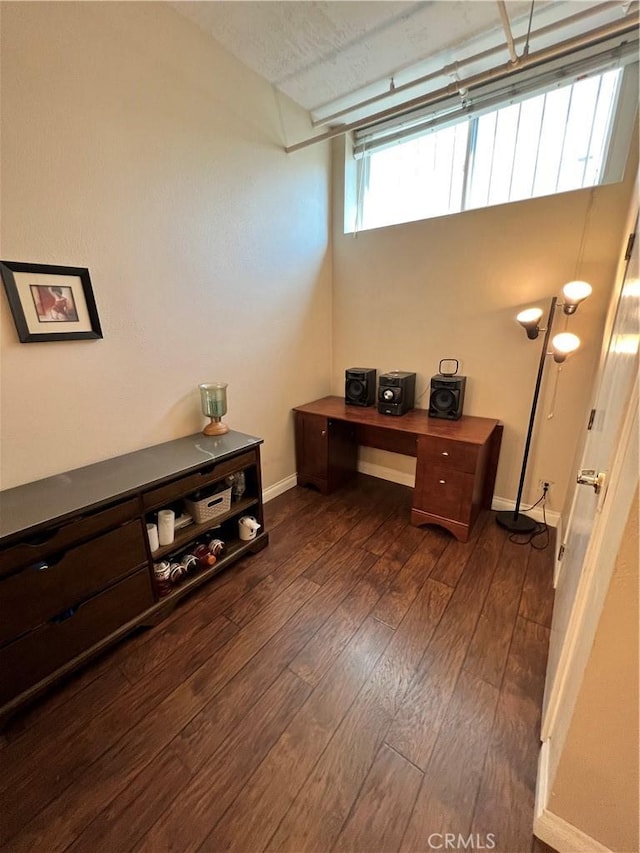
(616, 146)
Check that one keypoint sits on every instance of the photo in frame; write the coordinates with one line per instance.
(50, 303)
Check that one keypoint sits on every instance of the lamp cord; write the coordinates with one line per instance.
(587, 218)
(554, 394)
(541, 528)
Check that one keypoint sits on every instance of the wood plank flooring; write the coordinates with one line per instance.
(359, 686)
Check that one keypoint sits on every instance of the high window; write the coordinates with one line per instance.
(549, 142)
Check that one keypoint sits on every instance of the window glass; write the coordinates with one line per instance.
(420, 179)
(524, 163)
(547, 143)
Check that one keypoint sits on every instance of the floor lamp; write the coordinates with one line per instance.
(561, 345)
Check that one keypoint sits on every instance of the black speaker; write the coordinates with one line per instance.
(396, 392)
(447, 397)
(360, 386)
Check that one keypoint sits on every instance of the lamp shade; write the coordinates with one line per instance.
(529, 319)
(563, 344)
(574, 292)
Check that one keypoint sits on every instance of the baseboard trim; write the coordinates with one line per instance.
(542, 779)
(384, 473)
(278, 488)
(563, 836)
(550, 827)
(553, 518)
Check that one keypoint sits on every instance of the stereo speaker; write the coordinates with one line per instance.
(360, 386)
(396, 392)
(447, 397)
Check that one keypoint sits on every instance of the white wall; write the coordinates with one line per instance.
(134, 145)
(409, 295)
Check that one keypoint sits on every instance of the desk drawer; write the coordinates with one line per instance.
(446, 493)
(452, 455)
(55, 539)
(177, 489)
(40, 591)
(393, 440)
(33, 657)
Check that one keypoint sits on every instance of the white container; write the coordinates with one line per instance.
(166, 525)
(152, 533)
(248, 527)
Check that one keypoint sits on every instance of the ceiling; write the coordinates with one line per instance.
(328, 56)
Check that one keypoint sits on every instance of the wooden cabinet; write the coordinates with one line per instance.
(76, 572)
(456, 461)
(31, 660)
(450, 480)
(44, 589)
(326, 451)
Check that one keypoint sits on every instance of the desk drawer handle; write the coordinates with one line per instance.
(50, 563)
(324, 432)
(442, 482)
(445, 453)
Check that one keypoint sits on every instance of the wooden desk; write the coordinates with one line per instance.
(456, 460)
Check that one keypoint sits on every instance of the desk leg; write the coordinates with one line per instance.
(492, 466)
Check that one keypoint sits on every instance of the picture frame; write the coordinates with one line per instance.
(50, 303)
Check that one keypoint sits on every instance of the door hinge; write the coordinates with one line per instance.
(561, 552)
(629, 249)
(591, 419)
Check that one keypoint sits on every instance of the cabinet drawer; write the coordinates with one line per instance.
(455, 455)
(40, 591)
(447, 493)
(54, 539)
(177, 489)
(39, 653)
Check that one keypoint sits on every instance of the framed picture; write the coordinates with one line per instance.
(50, 303)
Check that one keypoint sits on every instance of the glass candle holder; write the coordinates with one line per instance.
(213, 398)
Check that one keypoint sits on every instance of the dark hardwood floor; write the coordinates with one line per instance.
(359, 685)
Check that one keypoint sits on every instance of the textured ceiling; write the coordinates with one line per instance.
(326, 55)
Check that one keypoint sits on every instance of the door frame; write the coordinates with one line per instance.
(598, 569)
(556, 698)
(596, 575)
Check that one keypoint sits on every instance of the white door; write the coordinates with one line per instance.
(617, 378)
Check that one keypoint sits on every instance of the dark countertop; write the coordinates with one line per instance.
(45, 501)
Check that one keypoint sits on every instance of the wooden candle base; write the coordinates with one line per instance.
(215, 428)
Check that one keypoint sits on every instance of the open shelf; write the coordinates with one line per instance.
(234, 552)
(186, 535)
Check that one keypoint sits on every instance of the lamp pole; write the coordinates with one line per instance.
(515, 521)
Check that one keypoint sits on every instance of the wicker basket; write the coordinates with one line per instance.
(209, 507)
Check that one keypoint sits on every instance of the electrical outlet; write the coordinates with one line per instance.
(543, 482)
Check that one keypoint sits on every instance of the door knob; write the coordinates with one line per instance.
(589, 477)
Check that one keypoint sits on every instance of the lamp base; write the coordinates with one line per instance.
(216, 427)
(515, 522)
